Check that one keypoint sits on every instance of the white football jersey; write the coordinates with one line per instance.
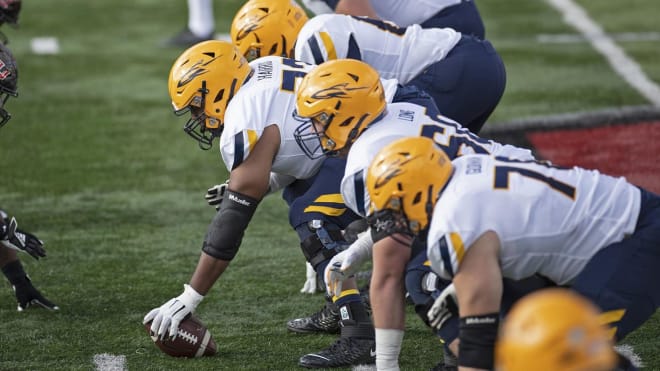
(404, 120)
(409, 12)
(399, 53)
(550, 221)
(268, 98)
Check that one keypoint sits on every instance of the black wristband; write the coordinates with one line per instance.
(477, 340)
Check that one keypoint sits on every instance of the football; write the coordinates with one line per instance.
(193, 340)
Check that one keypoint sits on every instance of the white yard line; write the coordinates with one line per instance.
(623, 65)
(109, 362)
(571, 38)
(629, 352)
(45, 45)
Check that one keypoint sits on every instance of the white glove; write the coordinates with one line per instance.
(216, 194)
(310, 284)
(445, 306)
(167, 317)
(347, 263)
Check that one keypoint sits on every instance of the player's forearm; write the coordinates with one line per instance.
(208, 270)
(356, 7)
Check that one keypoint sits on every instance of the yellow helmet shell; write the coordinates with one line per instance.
(407, 176)
(554, 329)
(207, 76)
(267, 27)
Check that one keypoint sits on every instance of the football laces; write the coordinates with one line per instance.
(190, 338)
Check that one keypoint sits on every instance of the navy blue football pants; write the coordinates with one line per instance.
(626, 274)
(467, 84)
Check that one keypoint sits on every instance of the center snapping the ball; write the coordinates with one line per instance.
(193, 340)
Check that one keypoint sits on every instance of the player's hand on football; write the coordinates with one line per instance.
(165, 319)
(216, 194)
(20, 240)
(444, 307)
(27, 295)
(347, 263)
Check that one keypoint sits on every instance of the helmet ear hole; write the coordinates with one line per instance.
(218, 96)
(417, 198)
(273, 50)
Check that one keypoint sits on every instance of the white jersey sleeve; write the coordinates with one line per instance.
(550, 221)
(409, 12)
(400, 53)
(409, 120)
(267, 98)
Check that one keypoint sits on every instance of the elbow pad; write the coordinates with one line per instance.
(225, 232)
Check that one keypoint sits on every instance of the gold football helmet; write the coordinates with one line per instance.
(267, 27)
(8, 81)
(405, 178)
(554, 329)
(336, 101)
(203, 80)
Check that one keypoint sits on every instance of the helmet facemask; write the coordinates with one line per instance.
(311, 140)
(200, 126)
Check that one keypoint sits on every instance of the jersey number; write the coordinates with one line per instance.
(502, 179)
(289, 76)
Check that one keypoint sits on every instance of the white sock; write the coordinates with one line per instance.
(388, 346)
(200, 17)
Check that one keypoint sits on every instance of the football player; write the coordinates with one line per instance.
(249, 107)
(554, 329)
(347, 115)
(448, 65)
(13, 239)
(461, 15)
(491, 217)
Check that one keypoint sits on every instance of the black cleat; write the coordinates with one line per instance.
(186, 39)
(325, 320)
(449, 362)
(344, 352)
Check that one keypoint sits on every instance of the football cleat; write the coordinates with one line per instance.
(325, 320)
(346, 351)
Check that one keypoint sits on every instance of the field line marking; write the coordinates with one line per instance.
(575, 38)
(623, 65)
(109, 362)
(629, 352)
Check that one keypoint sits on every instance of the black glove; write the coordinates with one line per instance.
(27, 295)
(216, 194)
(17, 239)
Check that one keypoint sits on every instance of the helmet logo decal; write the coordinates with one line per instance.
(197, 69)
(336, 91)
(393, 171)
(4, 71)
(251, 27)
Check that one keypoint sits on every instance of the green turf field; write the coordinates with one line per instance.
(95, 163)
